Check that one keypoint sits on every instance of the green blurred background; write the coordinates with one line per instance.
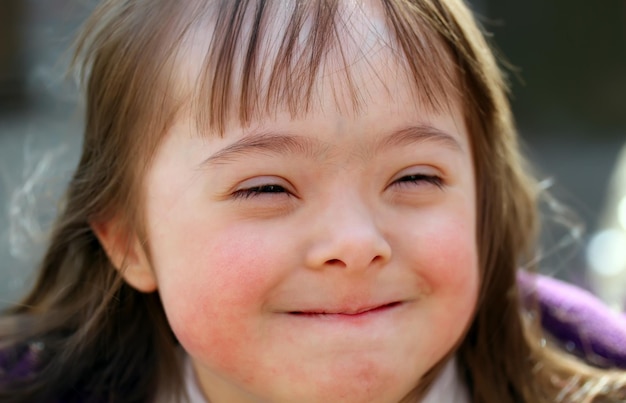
(571, 56)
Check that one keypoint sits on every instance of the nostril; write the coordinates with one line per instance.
(334, 262)
(377, 259)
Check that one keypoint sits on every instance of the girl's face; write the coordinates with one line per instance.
(330, 257)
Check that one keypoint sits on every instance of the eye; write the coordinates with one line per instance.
(420, 179)
(260, 190)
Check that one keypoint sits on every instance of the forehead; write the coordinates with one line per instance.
(239, 64)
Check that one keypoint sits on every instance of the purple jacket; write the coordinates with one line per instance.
(573, 317)
(578, 320)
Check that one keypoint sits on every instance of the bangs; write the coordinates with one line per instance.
(261, 57)
(231, 62)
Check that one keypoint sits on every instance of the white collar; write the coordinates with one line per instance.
(192, 388)
(447, 387)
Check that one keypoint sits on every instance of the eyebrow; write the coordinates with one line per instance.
(419, 134)
(271, 143)
(265, 143)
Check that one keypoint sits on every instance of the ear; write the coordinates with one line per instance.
(126, 253)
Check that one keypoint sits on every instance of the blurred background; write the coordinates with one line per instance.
(566, 62)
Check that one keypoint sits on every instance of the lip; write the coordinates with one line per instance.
(346, 311)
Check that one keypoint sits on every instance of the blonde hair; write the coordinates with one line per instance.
(90, 321)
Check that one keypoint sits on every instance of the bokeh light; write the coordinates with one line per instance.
(606, 253)
(621, 212)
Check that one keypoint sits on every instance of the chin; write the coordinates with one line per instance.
(356, 381)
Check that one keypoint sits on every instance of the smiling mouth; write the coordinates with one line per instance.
(346, 312)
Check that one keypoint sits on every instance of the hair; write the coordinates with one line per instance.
(82, 319)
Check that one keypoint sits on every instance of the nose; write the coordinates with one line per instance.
(347, 236)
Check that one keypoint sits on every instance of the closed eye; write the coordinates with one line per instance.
(420, 180)
(257, 191)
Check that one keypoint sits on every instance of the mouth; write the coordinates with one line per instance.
(347, 312)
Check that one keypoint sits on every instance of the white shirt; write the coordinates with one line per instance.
(447, 388)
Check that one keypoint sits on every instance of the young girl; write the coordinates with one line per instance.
(292, 201)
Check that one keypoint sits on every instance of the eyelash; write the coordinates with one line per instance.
(257, 191)
(420, 178)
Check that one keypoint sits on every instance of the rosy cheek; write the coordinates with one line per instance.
(218, 287)
(449, 247)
